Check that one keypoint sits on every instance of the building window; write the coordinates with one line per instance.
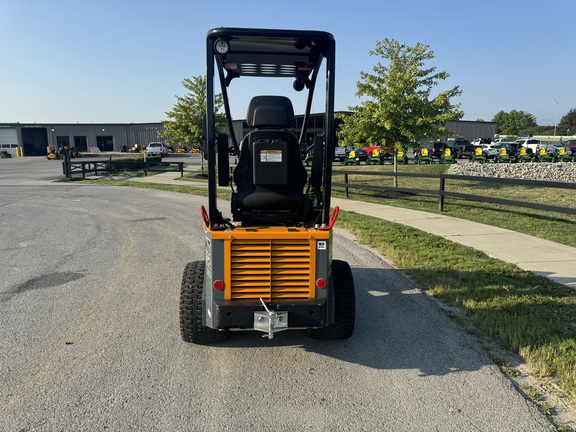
(105, 143)
(81, 143)
(63, 141)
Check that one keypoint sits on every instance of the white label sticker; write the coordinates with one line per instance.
(322, 245)
(271, 156)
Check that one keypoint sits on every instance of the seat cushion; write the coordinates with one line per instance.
(278, 199)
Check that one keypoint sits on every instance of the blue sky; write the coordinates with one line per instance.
(103, 61)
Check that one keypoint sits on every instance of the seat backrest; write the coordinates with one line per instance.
(270, 112)
(270, 176)
(270, 151)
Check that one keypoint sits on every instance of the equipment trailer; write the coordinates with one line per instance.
(270, 267)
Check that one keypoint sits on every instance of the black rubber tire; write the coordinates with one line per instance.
(345, 307)
(191, 327)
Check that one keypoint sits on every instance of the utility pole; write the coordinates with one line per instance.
(556, 118)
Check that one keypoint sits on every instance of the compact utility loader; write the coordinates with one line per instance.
(269, 267)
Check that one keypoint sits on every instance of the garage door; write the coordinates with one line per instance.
(9, 141)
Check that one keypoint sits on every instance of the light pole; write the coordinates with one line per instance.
(556, 118)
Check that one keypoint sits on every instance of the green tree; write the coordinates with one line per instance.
(514, 122)
(399, 108)
(567, 125)
(501, 120)
(186, 124)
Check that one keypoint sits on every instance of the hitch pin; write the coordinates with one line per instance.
(271, 313)
(273, 316)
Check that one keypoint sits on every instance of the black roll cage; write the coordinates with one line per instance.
(269, 53)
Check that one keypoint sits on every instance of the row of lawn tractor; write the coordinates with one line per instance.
(447, 155)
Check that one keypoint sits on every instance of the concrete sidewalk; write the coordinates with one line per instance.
(543, 257)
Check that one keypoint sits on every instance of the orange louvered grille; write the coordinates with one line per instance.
(271, 269)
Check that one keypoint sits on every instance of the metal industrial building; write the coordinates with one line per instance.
(471, 130)
(35, 138)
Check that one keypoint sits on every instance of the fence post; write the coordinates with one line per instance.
(346, 188)
(66, 162)
(395, 162)
(441, 194)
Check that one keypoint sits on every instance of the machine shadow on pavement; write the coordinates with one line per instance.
(397, 327)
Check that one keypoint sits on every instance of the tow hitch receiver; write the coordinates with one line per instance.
(269, 321)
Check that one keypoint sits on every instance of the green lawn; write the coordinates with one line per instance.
(551, 226)
(527, 314)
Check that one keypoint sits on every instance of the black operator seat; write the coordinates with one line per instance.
(270, 176)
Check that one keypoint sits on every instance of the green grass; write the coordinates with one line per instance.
(527, 314)
(555, 227)
(193, 190)
(197, 177)
(505, 366)
(544, 407)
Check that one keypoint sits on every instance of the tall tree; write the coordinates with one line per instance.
(188, 113)
(520, 122)
(567, 125)
(399, 108)
(514, 122)
(501, 120)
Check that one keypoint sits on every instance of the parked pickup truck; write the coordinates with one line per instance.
(571, 146)
(156, 148)
(531, 143)
(460, 148)
(480, 141)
